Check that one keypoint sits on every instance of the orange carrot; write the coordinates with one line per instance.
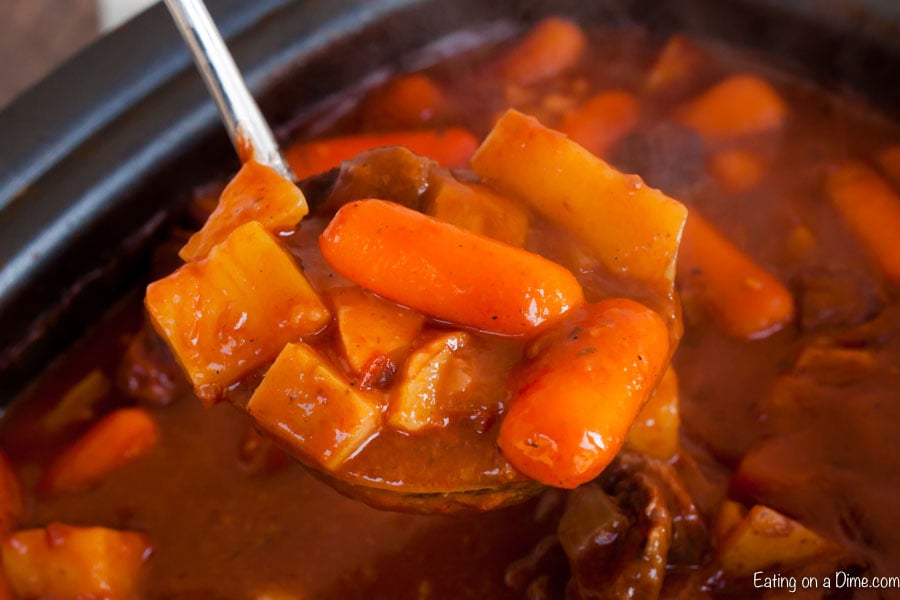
(889, 161)
(678, 61)
(737, 171)
(452, 147)
(872, 211)
(746, 300)
(11, 503)
(68, 562)
(406, 101)
(738, 106)
(550, 48)
(118, 439)
(445, 271)
(591, 375)
(257, 193)
(602, 121)
(233, 311)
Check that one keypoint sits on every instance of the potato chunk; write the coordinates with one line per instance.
(311, 410)
(234, 311)
(633, 229)
(257, 193)
(477, 208)
(428, 376)
(67, 562)
(655, 430)
(370, 327)
(766, 539)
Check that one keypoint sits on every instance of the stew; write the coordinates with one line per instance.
(469, 291)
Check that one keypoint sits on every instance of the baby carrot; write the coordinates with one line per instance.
(445, 271)
(550, 48)
(737, 170)
(738, 106)
(602, 121)
(452, 147)
(407, 101)
(744, 298)
(116, 440)
(581, 393)
(872, 211)
(11, 503)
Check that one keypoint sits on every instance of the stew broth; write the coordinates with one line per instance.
(800, 420)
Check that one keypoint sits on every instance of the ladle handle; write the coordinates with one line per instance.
(250, 134)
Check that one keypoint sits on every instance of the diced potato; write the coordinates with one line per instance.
(11, 502)
(738, 106)
(737, 171)
(77, 404)
(766, 539)
(633, 229)
(428, 377)
(477, 208)
(730, 514)
(234, 311)
(369, 327)
(655, 430)
(257, 193)
(66, 562)
(311, 410)
(118, 439)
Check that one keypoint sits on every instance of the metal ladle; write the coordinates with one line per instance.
(252, 138)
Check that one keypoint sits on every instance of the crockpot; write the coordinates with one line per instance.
(95, 158)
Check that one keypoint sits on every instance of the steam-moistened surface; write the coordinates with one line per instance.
(771, 452)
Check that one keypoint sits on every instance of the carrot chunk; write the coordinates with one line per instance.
(634, 230)
(306, 406)
(872, 211)
(889, 161)
(738, 106)
(744, 298)
(551, 47)
(114, 441)
(655, 430)
(678, 62)
(233, 311)
(602, 121)
(257, 193)
(370, 327)
(579, 396)
(406, 101)
(452, 147)
(65, 562)
(737, 171)
(479, 209)
(11, 503)
(766, 539)
(449, 273)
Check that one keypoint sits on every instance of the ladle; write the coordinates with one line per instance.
(252, 138)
